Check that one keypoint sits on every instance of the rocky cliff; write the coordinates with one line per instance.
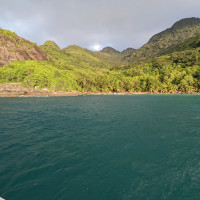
(13, 47)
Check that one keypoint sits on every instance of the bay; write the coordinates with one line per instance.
(100, 147)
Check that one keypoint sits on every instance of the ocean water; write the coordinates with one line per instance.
(137, 147)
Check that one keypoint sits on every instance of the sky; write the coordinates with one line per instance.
(93, 24)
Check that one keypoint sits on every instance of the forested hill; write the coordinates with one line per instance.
(180, 31)
(190, 43)
(75, 56)
(13, 47)
(169, 62)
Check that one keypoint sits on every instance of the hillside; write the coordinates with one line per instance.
(13, 47)
(190, 43)
(170, 68)
(127, 53)
(83, 57)
(75, 56)
(180, 31)
(178, 72)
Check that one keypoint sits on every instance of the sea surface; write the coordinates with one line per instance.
(131, 147)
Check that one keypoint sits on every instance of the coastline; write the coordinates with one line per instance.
(16, 90)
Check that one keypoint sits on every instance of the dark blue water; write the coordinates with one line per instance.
(142, 147)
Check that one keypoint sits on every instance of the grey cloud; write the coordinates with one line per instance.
(120, 23)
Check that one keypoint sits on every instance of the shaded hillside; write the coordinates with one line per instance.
(193, 42)
(127, 53)
(13, 47)
(181, 30)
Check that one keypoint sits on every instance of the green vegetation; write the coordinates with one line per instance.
(180, 31)
(13, 50)
(3, 43)
(190, 43)
(40, 74)
(77, 57)
(177, 72)
(19, 42)
(110, 50)
(175, 69)
(28, 45)
(8, 33)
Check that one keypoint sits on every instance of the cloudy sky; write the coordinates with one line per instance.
(93, 23)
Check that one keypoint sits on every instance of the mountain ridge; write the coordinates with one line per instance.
(80, 70)
(169, 63)
(179, 31)
(13, 47)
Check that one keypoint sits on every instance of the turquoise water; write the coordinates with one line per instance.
(135, 147)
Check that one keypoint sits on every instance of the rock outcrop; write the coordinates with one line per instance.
(13, 47)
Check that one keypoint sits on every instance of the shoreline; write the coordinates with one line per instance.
(16, 90)
(73, 94)
(39, 93)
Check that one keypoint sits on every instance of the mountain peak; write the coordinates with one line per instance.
(73, 47)
(180, 31)
(109, 50)
(180, 26)
(192, 21)
(51, 44)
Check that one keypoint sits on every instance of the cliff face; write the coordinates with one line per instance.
(13, 47)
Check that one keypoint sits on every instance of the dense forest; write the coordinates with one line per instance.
(174, 67)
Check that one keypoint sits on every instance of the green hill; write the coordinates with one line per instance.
(110, 50)
(191, 43)
(180, 31)
(169, 62)
(75, 56)
(127, 53)
(83, 58)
